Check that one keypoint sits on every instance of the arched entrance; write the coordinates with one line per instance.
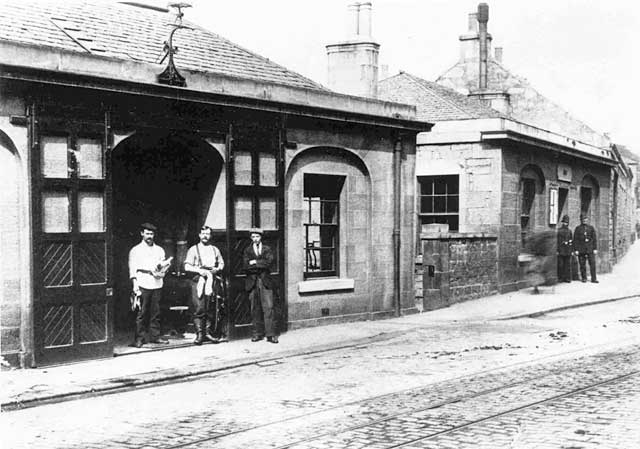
(170, 179)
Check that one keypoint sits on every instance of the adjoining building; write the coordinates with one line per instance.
(103, 126)
(501, 163)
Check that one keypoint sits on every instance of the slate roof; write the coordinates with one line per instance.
(134, 33)
(433, 102)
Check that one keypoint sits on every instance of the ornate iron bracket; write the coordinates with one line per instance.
(170, 75)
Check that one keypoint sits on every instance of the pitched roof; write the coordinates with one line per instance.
(433, 102)
(134, 33)
(527, 104)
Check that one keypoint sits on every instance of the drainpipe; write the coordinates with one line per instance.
(397, 201)
(483, 18)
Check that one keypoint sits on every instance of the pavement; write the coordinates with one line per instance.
(23, 388)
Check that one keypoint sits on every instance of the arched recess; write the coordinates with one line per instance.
(590, 198)
(328, 220)
(13, 251)
(531, 199)
(172, 179)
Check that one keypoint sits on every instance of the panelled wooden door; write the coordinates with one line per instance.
(71, 210)
(255, 186)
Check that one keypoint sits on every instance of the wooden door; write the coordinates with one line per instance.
(255, 183)
(72, 245)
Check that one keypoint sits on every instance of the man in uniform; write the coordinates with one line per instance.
(204, 261)
(257, 259)
(147, 267)
(565, 250)
(585, 245)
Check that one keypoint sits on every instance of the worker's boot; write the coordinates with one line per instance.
(197, 323)
(208, 333)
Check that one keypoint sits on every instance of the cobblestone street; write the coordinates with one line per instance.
(568, 380)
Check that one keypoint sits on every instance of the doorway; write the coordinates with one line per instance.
(168, 178)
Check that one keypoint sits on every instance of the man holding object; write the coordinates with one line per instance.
(147, 267)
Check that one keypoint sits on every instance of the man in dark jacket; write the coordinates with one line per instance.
(585, 245)
(565, 250)
(260, 287)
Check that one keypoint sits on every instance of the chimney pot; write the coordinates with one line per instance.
(483, 13)
(473, 22)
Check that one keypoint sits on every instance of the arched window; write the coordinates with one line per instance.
(589, 194)
(531, 189)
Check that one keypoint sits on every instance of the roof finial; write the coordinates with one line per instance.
(170, 75)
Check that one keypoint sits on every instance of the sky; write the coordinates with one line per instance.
(582, 54)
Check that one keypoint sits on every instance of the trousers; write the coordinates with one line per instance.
(148, 318)
(262, 310)
(564, 268)
(582, 259)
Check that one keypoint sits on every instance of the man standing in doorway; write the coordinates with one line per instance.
(147, 267)
(565, 250)
(260, 287)
(205, 262)
(585, 245)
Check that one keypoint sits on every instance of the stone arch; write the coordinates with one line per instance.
(173, 179)
(354, 219)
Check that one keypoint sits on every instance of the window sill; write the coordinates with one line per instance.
(324, 285)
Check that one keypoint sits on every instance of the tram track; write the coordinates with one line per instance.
(531, 379)
(517, 409)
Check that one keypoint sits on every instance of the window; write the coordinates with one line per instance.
(585, 200)
(321, 224)
(439, 200)
(527, 212)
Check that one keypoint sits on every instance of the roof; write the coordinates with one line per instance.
(627, 154)
(527, 104)
(433, 102)
(134, 33)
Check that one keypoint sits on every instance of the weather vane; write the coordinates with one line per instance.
(170, 75)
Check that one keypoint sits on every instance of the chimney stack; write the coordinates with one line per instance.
(498, 54)
(473, 22)
(353, 64)
(483, 18)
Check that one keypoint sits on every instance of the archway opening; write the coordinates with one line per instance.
(169, 179)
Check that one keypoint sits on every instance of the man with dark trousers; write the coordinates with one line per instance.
(257, 259)
(147, 267)
(204, 261)
(585, 245)
(565, 250)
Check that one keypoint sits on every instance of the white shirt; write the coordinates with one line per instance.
(147, 258)
(209, 257)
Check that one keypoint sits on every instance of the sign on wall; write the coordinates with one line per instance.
(564, 172)
(553, 206)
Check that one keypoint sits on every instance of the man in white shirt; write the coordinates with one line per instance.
(147, 267)
(204, 261)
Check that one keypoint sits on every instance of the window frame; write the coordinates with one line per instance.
(432, 179)
(327, 199)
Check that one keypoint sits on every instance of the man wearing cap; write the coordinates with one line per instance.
(147, 267)
(259, 285)
(565, 250)
(585, 245)
(205, 262)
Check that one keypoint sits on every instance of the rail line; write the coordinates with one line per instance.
(429, 406)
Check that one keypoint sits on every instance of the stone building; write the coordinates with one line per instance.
(103, 127)
(502, 163)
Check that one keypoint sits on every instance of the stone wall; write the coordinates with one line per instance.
(456, 267)
(363, 288)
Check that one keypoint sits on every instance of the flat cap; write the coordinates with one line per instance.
(256, 231)
(149, 226)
